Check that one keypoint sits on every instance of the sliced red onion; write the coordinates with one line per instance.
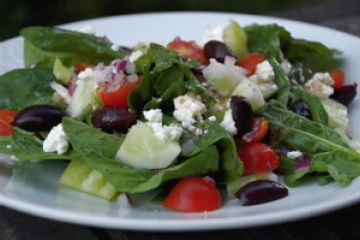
(303, 164)
(119, 64)
(286, 66)
(125, 200)
(132, 78)
(248, 136)
(209, 180)
(72, 85)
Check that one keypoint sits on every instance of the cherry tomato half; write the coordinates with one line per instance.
(250, 62)
(188, 49)
(7, 115)
(260, 126)
(194, 194)
(258, 158)
(338, 76)
(118, 98)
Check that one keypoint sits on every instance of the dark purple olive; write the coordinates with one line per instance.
(242, 115)
(111, 119)
(218, 50)
(38, 118)
(301, 108)
(261, 191)
(345, 94)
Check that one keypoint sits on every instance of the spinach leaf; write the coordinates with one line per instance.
(277, 43)
(230, 167)
(165, 76)
(21, 88)
(328, 152)
(26, 146)
(318, 113)
(98, 150)
(44, 44)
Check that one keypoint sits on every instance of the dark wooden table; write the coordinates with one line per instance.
(341, 224)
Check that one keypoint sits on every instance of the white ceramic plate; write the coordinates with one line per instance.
(34, 189)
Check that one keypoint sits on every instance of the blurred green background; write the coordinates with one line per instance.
(15, 14)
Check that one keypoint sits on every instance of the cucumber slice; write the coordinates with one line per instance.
(234, 186)
(224, 78)
(235, 38)
(251, 92)
(80, 176)
(83, 100)
(337, 113)
(141, 149)
(62, 73)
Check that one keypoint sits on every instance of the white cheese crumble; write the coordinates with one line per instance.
(135, 55)
(153, 115)
(320, 85)
(56, 141)
(294, 154)
(115, 47)
(264, 77)
(86, 29)
(161, 132)
(228, 123)
(189, 108)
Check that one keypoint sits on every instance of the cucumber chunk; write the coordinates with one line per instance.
(83, 99)
(80, 176)
(251, 92)
(62, 73)
(235, 38)
(141, 149)
(337, 113)
(224, 78)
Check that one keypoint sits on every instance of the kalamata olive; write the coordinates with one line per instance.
(242, 115)
(218, 50)
(345, 94)
(261, 191)
(112, 119)
(38, 118)
(301, 108)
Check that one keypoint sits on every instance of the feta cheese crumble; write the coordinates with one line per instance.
(56, 141)
(228, 123)
(294, 154)
(320, 85)
(264, 77)
(189, 108)
(86, 29)
(163, 133)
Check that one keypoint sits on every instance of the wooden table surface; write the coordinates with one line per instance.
(342, 224)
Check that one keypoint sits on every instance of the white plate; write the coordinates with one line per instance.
(34, 189)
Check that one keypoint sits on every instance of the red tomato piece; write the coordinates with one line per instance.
(250, 62)
(258, 158)
(7, 115)
(338, 76)
(5, 128)
(194, 194)
(6, 119)
(81, 66)
(188, 49)
(118, 98)
(260, 126)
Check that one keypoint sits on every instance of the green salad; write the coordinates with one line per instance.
(195, 122)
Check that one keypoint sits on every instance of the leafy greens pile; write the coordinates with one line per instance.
(215, 153)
